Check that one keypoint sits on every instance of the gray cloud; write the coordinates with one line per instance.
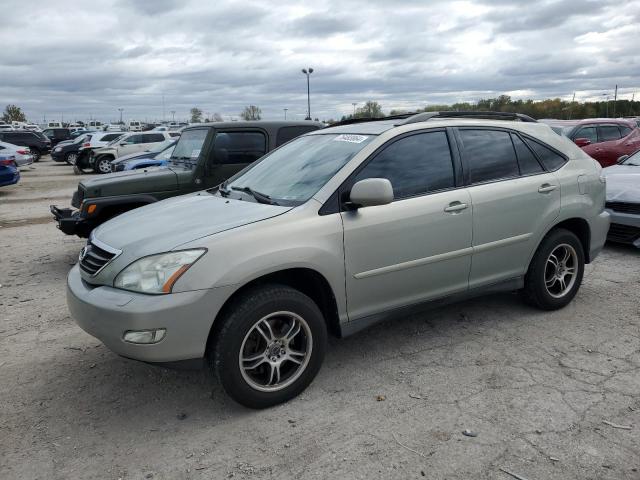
(79, 60)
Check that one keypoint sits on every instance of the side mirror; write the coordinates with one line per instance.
(622, 159)
(371, 192)
(582, 142)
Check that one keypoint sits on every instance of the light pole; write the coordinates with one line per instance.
(308, 72)
(285, 113)
(173, 116)
(354, 109)
(120, 110)
(607, 108)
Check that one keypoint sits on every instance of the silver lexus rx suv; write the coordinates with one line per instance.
(335, 231)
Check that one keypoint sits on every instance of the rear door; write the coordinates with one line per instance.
(149, 141)
(513, 197)
(130, 144)
(418, 247)
(234, 149)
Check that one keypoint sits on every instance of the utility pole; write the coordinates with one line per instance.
(285, 113)
(615, 99)
(173, 116)
(571, 106)
(163, 107)
(354, 109)
(120, 110)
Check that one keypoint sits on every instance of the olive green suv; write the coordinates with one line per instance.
(204, 156)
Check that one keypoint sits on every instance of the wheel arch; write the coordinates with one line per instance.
(579, 227)
(306, 280)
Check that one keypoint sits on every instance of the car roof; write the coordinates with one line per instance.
(619, 121)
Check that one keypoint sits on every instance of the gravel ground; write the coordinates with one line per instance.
(391, 402)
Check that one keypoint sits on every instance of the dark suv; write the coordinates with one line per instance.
(37, 142)
(205, 156)
(57, 135)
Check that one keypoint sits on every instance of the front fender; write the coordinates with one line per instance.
(102, 203)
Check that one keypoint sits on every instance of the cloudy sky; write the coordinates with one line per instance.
(86, 59)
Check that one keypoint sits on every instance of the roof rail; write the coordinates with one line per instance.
(349, 121)
(424, 116)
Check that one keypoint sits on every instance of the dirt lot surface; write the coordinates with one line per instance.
(392, 402)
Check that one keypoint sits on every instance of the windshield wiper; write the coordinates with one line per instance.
(224, 191)
(260, 197)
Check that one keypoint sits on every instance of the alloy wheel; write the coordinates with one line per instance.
(275, 351)
(560, 271)
(104, 166)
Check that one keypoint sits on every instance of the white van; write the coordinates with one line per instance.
(94, 125)
(54, 125)
(135, 126)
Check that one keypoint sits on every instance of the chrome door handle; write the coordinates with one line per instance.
(455, 207)
(546, 188)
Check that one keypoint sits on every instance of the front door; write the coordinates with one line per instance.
(418, 247)
(232, 150)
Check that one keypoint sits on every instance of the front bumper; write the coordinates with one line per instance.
(107, 313)
(70, 222)
(57, 156)
(625, 228)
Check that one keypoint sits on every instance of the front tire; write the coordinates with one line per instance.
(555, 272)
(36, 154)
(103, 164)
(269, 346)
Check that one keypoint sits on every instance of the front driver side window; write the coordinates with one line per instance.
(414, 165)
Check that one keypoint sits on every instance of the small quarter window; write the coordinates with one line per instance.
(550, 159)
(527, 161)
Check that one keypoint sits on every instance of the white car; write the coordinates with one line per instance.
(113, 127)
(132, 142)
(22, 155)
(32, 127)
(5, 126)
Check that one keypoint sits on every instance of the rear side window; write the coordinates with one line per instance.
(110, 137)
(589, 133)
(526, 159)
(152, 138)
(289, 133)
(239, 147)
(550, 159)
(489, 154)
(414, 165)
(608, 132)
(624, 131)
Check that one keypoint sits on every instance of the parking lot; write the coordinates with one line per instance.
(545, 395)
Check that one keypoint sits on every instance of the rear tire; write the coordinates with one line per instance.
(71, 158)
(555, 272)
(268, 346)
(36, 154)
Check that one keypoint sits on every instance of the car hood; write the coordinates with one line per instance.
(131, 156)
(165, 225)
(623, 183)
(131, 182)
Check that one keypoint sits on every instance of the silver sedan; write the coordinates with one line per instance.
(22, 155)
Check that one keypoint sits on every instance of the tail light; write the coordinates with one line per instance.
(7, 162)
(23, 152)
(86, 145)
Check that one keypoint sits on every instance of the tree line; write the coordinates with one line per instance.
(549, 108)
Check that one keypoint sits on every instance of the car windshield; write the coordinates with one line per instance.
(633, 160)
(188, 148)
(161, 146)
(293, 173)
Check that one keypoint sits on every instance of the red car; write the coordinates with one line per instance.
(605, 139)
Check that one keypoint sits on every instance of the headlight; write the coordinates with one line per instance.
(157, 273)
(58, 149)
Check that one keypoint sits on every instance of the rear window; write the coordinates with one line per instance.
(608, 132)
(289, 133)
(549, 158)
(110, 136)
(490, 155)
(625, 130)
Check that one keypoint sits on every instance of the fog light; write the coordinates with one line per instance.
(144, 336)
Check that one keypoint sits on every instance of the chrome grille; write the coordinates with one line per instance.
(77, 198)
(623, 207)
(93, 258)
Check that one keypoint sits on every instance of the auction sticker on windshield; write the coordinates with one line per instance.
(195, 153)
(350, 138)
